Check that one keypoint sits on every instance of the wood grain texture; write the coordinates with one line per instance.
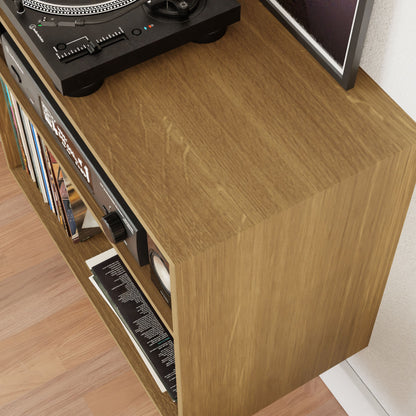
(311, 399)
(286, 300)
(276, 196)
(225, 135)
(56, 356)
(141, 275)
(75, 256)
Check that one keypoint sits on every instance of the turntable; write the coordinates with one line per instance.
(80, 44)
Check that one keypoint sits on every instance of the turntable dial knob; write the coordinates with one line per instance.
(113, 227)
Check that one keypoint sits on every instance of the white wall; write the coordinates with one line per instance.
(389, 54)
(388, 365)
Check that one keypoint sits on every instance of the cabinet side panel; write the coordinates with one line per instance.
(264, 312)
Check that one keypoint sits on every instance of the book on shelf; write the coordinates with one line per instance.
(149, 335)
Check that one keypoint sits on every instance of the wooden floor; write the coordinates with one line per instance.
(56, 357)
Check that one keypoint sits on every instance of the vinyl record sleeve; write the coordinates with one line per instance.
(137, 316)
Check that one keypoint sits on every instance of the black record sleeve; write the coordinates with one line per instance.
(139, 318)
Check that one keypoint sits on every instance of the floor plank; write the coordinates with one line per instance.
(311, 399)
(23, 294)
(56, 356)
(22, 246)
(132, 401)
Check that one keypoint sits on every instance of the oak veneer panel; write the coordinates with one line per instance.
(271, 308)
(262, 181)
(56, 316)
(207, 140)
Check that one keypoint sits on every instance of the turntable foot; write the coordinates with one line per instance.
(86, 90)
(211, 36)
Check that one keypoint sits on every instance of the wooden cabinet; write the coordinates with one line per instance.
(276, 196)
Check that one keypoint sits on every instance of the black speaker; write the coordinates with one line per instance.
(159, 270)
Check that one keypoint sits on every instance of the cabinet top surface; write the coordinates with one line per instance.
(207, 140)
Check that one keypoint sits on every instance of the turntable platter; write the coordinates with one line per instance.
(70, 8)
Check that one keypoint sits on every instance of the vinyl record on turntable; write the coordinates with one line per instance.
(68, 8)
(165, 8)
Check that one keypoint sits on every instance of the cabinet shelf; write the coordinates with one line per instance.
(279, 212)
(75, 256)
(141, 274)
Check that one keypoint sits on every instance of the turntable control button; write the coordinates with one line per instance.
(92, 47)
(113, 227)
(136, 32)
(61, 46)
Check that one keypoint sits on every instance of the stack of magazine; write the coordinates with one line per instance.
(56, 188)
(145, 329)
